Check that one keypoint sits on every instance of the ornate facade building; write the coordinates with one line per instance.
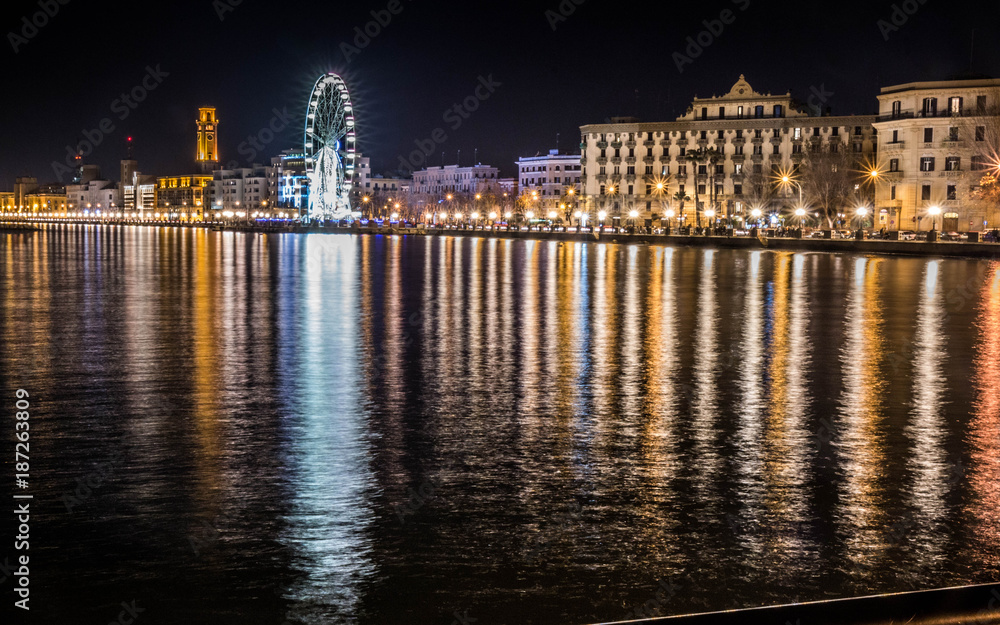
(937, 140)
(714, 158)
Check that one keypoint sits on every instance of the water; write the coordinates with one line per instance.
(340, 429)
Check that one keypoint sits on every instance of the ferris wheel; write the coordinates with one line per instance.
(329, 148)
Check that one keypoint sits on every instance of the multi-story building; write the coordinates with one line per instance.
(931, 136)
(96, 196)
(553, 178)
(454, 179)
(7, 204)
(139, 196)
(185, 195)
(434, 185)
(633, 166)
(240, 190)
(288, 184)
(49, 199)
(23, 186)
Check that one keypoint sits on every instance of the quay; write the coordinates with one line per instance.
(963, 605)
(857, 246)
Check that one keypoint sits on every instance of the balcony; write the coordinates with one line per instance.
(630, 160)
(616, 145)
(758, 158)
(738, 158)
(602, 145)
(954, 173)
(616, 160)
(893, 176)
(630, 144)
(798, 157)
(602, 178)
(683, 142)
(648, 159)
(630, 177)
(665, 143)
(757, 140)
(952, 145)
(739, 140)
(893, 146)
(648, 143)
(602, 160)
(703, 142)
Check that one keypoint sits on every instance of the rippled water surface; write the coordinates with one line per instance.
(342, 429)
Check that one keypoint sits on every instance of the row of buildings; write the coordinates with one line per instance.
(928, 147)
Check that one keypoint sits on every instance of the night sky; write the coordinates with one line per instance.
(604, 59)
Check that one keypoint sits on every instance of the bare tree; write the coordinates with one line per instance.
(830, 179)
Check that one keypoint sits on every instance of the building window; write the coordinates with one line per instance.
(894, 164)
(892, 192)
(649, 170)
(631, 189)
(602, 189)
(927, 163)
(704, 134)
(816, 132)
(776, 150)
(895, 136)
(738, 150)
(779, 111)
(980, 133)
(928, 135)
(930, 107)
(737, 189)
(758, 111)
(702, 170)
(952, 192)
(955, 105)
(835, 131)
(722, 112)
(858, 148)
(797, 148)
(739, 112)
(897, 109)
(981, 103)
(953, 134)
(797, 134)
(925, 193)
(979, 163)
(702, 189)
(953, 163)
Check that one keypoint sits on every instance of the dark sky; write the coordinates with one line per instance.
(605, 59)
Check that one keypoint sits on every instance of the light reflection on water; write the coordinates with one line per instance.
(388, 429)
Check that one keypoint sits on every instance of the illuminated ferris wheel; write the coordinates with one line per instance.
(329, 148)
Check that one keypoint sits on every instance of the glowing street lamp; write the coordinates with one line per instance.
(934, 211)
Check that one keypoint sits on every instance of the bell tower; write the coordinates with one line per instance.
(208, 146)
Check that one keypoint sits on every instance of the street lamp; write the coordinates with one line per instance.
(934, 211)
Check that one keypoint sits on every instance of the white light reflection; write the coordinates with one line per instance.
(330, 481)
